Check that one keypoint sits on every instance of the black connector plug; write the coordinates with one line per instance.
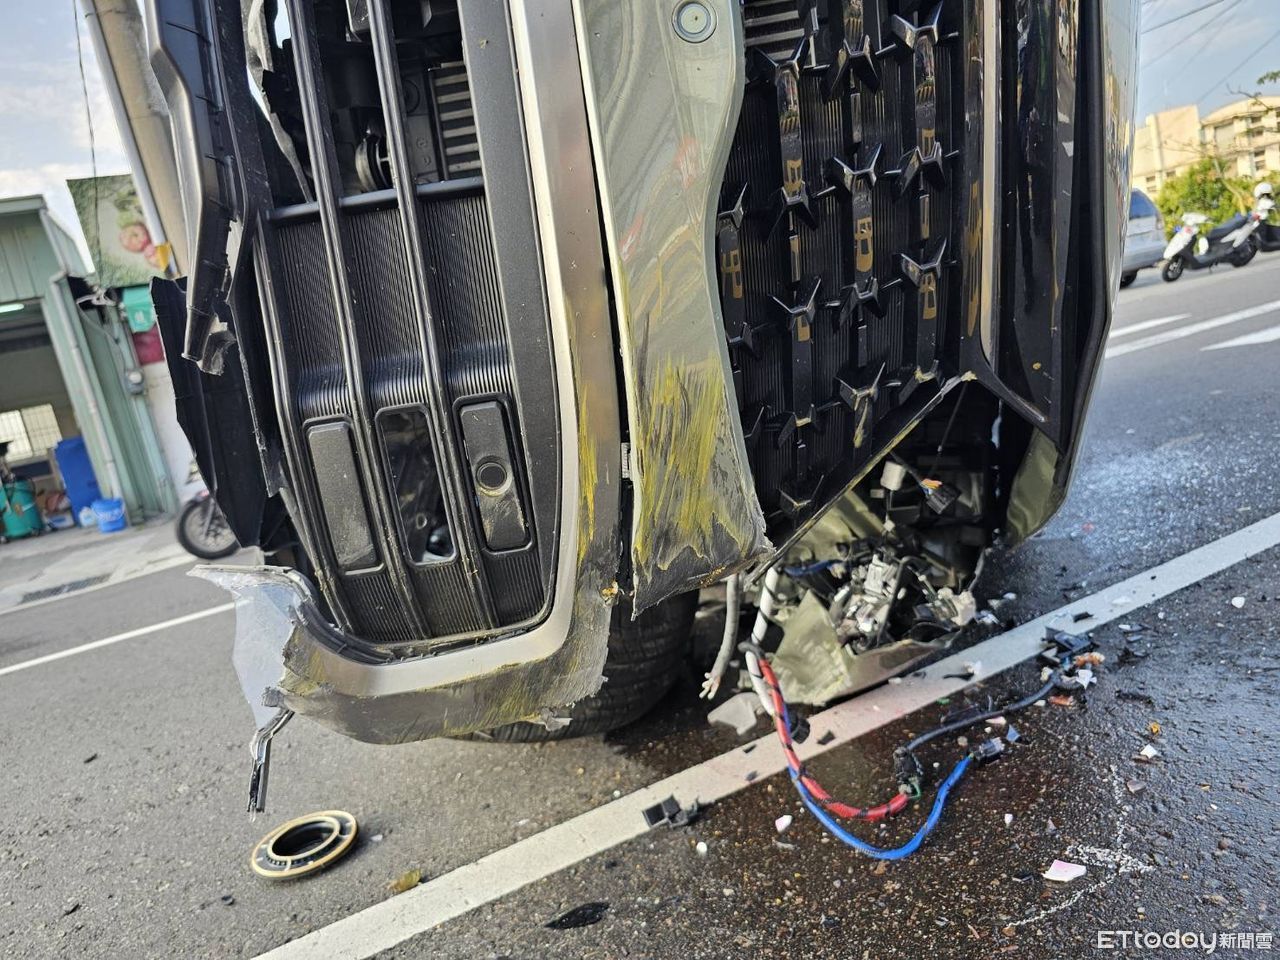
(989, 750)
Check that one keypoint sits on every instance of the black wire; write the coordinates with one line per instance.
(1183, 16)
(970, 721)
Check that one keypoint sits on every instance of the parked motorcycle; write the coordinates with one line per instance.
(1188, 250)
(1266, 236)
(203, 530)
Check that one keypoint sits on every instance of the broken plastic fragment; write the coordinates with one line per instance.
(1237, 602)
(1148, 753)
(1008, 819)
(782, 823)
(739, 712)
(1064, 872)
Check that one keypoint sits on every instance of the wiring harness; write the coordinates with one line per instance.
(907, 767)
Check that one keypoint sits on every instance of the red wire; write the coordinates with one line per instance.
(824, 799)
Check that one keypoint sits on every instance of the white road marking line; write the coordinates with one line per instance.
(1147, 325)
(1156, 339)
(1270, 335)
(453, 894)
(118, 638)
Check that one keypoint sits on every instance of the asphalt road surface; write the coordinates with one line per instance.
(125, 765)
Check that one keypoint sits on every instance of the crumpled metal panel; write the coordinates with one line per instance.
(663, 110)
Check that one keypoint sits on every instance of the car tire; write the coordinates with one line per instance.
(1172, 270)
(1128, 278)
(646, 656)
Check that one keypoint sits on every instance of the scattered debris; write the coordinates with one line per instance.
(1153, 728)
(782, 823)
(1012, 736)
(304, 846)
(1237, 602)
(1081, 615)
(1008, 819)
(70, 908)
(376, 838)
(406, 881)
(1062, 700)
(783, 845)
(1050, 826)
(1135, 786)
(90, 758)
(826, 738)
(701, 848)
(671, 813)
(1000, 722)
(1063, 871)
(1129, 656)
(968, 671)
(228, 899)
(1025, 876)
(580, 916)
(739, 712)
(1091, 659)
(1147, 754)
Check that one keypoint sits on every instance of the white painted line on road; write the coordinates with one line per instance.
(118, 638)
(1191, 330)
(453, 894)
(1270, 335)
(1147, 325)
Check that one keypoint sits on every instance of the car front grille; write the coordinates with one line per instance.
(836, 240)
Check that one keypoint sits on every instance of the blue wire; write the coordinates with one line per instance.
(804, 571)
(908, 848)
(912, 845)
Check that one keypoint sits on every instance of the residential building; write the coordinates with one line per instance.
(1244, 135)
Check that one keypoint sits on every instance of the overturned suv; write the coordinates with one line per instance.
(510, 324)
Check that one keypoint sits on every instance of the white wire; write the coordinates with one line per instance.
(733, 605)
(768, 593)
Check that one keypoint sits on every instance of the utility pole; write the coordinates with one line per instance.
(120, 43)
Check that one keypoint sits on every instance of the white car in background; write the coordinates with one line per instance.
(1144, 240)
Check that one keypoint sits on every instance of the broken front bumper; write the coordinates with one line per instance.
(1004, 182)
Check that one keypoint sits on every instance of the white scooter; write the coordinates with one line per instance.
(1209, 250)
(1257, 232)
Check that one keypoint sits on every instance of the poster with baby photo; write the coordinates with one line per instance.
(119, 241)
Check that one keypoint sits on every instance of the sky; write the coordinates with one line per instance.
(45, 133)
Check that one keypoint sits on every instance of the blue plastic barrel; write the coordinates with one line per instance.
(110, 515)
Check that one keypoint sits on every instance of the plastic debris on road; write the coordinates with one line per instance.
(1237, 602)
(739, 712)
(1063, 871)
(1147, 754)
(782, 823)
(581, 916)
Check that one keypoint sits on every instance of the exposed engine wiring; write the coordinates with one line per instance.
(804, 780)
(969, 721)
(732, 609)
(912, 845)
(768, 598)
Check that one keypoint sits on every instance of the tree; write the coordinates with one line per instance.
(1202, 188)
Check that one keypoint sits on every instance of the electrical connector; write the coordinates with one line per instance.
(989, 750)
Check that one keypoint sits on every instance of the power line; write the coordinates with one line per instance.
(1178, 44)
(1183, 16)
(1239, 65)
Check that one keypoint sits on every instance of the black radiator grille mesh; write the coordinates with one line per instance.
(835, 236)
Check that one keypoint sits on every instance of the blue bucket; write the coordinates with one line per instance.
(110, 515)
